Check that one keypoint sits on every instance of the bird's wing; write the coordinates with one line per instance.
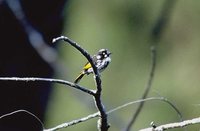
(87, 66)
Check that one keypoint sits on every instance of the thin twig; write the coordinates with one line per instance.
(23, 111)
(97, 96)
(174, 125)
(59, 81)
(156, 34)
(150, 99)
(147, 89)
(74, 122)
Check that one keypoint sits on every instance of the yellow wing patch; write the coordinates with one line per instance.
(87, 66)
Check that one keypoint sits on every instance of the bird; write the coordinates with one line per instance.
(101, 60)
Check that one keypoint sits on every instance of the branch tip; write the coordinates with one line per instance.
(59, 38)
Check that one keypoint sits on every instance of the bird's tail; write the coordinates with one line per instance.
(80, 76)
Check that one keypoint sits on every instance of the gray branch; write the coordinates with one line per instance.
(74, 122)
(174, 125)
(29, 79)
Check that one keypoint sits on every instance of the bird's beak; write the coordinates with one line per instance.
(109, 53)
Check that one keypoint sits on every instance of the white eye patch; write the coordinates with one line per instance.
(98, 57)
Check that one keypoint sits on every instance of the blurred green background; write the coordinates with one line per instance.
(124, 27)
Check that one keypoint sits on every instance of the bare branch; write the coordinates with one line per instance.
(174, 125)
(156, 34)
(29, 79)
(87, 56)
(22, 111)
(97, 96)
(147, 89)
(149, 99)
(74, 122)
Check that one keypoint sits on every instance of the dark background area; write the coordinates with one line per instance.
(20, 59)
